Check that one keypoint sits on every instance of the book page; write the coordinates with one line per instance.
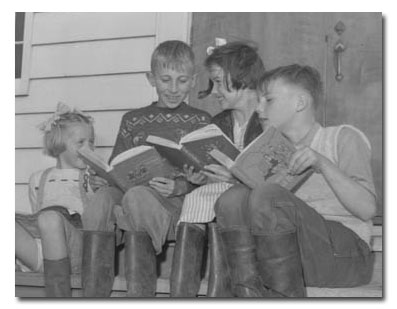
(94, 158)
(210, 130)
(157, 140)
(129, 153)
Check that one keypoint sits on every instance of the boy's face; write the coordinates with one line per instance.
(277, 106)
(227, 99)
(76, 136)
(172, 85)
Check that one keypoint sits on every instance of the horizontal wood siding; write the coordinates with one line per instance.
(70, 27)
(27, 135)
(92, 58)
(109, 92)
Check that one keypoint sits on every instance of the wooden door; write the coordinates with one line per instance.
(310, 38)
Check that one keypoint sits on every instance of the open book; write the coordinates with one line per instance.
(193, 148)
(265, 159)
(130, 168)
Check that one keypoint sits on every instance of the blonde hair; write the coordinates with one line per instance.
(55, 136)
(172, 53)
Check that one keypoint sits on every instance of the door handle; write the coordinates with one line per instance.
(338, 50)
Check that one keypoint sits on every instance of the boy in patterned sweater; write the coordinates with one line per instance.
(149, 214)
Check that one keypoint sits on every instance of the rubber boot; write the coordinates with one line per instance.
(140, 265)
(187, 260)
(98, 263)
(57, 278)
(219, 281)
(241, 257)
(280, 264)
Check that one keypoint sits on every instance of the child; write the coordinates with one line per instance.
(58, 197)
(278, 242)
(234, 70)
(149, 213)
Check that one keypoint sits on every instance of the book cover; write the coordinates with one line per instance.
(265, 160)
(193, 149)
(133, 167)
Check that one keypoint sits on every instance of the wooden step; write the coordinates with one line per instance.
(32, 284)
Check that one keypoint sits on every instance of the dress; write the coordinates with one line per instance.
(63, 190)
(198, 206)
(142, 208)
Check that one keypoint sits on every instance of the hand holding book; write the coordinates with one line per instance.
(266, 159)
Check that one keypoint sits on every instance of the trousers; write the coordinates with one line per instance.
(332, 255)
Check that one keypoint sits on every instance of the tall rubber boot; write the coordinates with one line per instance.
(241, 257)
(280, 264)
(98, 263)
(219, 281)
(140, 265)
(187, 260)
(57, 278)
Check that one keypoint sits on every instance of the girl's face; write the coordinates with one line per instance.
(77, 135)
(227, 99)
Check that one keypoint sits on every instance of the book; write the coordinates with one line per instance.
(193, 148)
(264, 160)
(130, 168)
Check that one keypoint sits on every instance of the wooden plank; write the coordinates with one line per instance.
(91, 58)
(70, 27)
(106, 126)
(28, 161)
(125, 91)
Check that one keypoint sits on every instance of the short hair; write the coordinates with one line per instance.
(172, 53)
(303, 76)
(54, 138)
(239, 61)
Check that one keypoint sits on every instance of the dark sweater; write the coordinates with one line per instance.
(172, 124)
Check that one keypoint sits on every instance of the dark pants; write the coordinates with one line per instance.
(332, 255)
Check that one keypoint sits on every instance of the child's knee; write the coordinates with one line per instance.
(49, 220)
(233, 198)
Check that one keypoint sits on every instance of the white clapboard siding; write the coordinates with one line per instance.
(68, 27)
(106, 92)
(28, 161)
(27, 135)
(92, 57)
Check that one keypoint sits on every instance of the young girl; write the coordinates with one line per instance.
(52, 238)
(234, 70)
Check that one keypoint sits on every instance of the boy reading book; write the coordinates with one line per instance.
(278, 242)
(148, 214)
(193, 149)
(266, 159)
(136, 166)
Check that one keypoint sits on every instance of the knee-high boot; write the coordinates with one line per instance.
(187, 260)
(98, 263)
(241, 258)
(57, 278)
(140, 265)
(280, 264)
(219, 281)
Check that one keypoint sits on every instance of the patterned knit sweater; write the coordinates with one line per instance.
(172, 124)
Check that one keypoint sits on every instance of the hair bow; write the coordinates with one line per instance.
(218, 42)
(62, 109)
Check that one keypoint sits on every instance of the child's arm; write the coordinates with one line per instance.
(34, 182)
(348, 186)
